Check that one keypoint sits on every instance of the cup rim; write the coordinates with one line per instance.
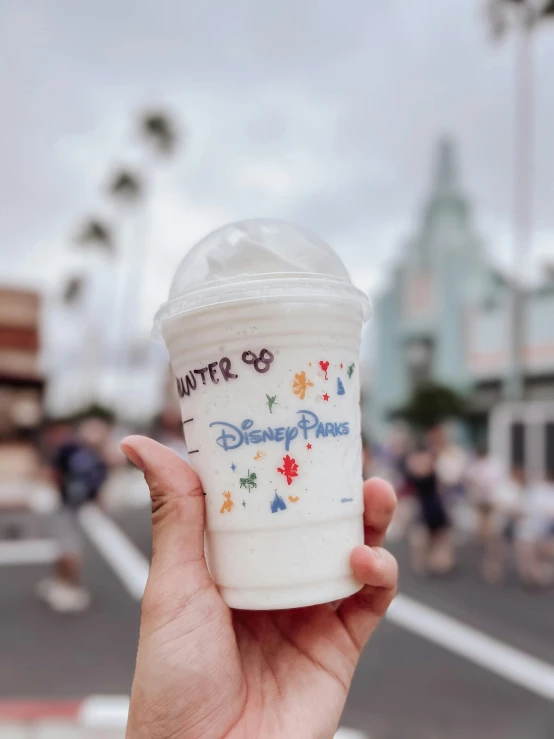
(263, 287)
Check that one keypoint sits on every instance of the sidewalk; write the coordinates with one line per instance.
(57, 730)
(96, 717)
(68, 730)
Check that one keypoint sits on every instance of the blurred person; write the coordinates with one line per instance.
(387, 460)
(255, 673)
(391, 456)
(547, 499)
(535, 534)
(396, 450)
(78, 468)
(505, 501)
(451, 462)
(431, 541)
(483, 477)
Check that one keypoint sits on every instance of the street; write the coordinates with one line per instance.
(406, 686)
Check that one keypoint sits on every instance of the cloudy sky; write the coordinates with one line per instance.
(314, 111)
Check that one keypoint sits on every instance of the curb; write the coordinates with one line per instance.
(96, 711)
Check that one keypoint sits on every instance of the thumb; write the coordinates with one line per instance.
(179, 567)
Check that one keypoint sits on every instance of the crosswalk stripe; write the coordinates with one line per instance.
(104, 711)
(511, 664)
(118, 551)
(28, 552)
(499, 658)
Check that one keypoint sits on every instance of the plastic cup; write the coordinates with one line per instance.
(263, 330)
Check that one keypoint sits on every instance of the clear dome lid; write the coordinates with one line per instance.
(258, 259)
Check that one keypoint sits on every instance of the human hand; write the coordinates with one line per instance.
(206, 671)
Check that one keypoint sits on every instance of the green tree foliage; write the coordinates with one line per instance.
(430, 405)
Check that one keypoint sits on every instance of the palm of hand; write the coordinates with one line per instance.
(297, 666)
(206, 671)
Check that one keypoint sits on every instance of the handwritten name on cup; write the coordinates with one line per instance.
(261, 363)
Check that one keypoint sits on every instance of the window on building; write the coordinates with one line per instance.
(539, 312)
(419, 295)
(419, 360)
(488, 338)
(539, 331)
(490, 333)
(489, 304)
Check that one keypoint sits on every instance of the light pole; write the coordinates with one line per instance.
(522, 196)
(524, 15)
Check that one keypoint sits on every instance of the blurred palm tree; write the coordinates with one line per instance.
(96, 233)
(531, 11)
(72, 290)
(159, 130)
(126, 186)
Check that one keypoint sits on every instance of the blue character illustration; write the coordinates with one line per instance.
(278, 504)
(340, 387)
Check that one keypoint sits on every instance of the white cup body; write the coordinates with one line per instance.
(275, 439)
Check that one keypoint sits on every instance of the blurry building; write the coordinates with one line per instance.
(21, 383)
(446, 315)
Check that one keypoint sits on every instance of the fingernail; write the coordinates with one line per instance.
(133, 456)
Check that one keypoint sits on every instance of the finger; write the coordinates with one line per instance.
(178, 564)
(361, 613)
(379, 507)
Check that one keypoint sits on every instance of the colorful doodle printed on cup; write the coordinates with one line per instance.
(289, 469)
(228, 505)
(301, 384)
(278, 504)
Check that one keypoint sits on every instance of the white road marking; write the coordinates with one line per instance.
(120, 553)
(28, 552)
(510, 663)
(104, 711)
(111, 712)
(501, 659)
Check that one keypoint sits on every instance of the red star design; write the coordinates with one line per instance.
(308, 446)
(325, 397)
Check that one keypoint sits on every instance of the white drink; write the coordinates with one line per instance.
(269, 391)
